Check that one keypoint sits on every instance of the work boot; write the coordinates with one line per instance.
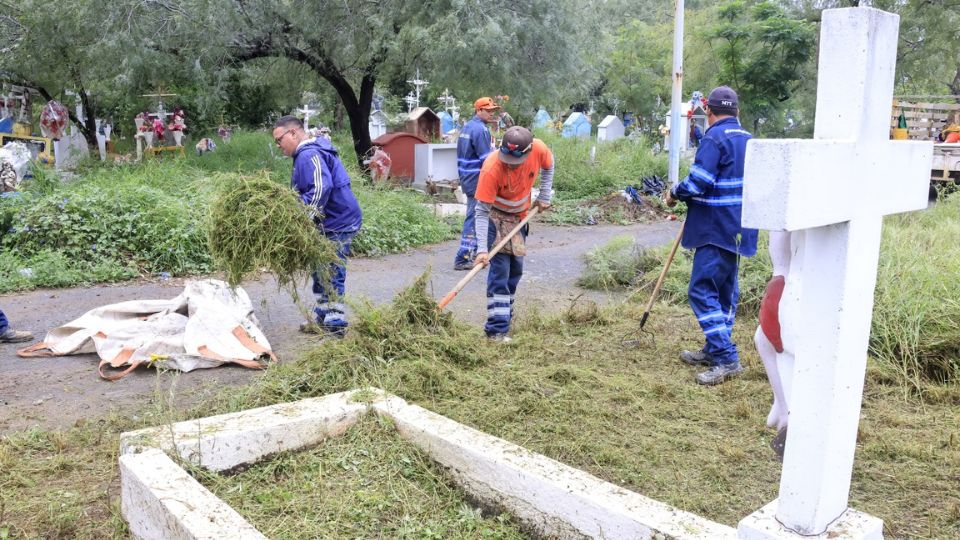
(463, 265)
(335, 332)
(15, 336)
(697, 358)
(719, 373)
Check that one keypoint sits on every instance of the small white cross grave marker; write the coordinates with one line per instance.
(307, 112)
(832, 193)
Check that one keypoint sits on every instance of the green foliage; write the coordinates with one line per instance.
(256, 224)
(118, 221)
(916, 314)
(395, 221)
(617, 164)
(616, 264)
(764, 54)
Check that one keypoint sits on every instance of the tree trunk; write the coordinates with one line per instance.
(955, 85)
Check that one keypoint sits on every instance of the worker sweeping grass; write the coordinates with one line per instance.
(256, 224)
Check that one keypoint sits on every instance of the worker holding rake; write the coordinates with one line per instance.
(713, 192)
(504, 195)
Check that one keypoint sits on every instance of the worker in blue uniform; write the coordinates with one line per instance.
(713, 192)
(474, 144)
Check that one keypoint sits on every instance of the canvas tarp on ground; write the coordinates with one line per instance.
(207, 325)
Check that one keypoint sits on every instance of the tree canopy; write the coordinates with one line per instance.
(250, 61)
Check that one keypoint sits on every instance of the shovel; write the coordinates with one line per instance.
(476, 269)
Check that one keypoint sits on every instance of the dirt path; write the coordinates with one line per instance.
(56, 392)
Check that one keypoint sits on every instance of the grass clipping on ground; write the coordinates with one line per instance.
(366, 483)
(257, 223)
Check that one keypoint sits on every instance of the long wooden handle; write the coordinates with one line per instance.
(476, 269)
(663, 274)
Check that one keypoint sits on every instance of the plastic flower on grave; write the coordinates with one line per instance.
(177, 124)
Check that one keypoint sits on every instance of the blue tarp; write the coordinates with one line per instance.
(6, 125)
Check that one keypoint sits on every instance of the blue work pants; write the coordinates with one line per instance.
(503, 276)
(329, 310)
(713, 294)
(468, 236)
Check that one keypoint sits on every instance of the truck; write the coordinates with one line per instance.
(926, 117)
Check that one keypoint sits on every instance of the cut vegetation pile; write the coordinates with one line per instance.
(257, 224)
(366, 483)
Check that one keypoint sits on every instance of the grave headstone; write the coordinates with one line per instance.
(832, 193)
(610, 129)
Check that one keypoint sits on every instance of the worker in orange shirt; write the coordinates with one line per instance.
(504, 193)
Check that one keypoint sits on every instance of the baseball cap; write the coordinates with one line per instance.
(485, 103)
(516, 145)
(723, 99)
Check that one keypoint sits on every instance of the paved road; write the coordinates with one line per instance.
(56, 392)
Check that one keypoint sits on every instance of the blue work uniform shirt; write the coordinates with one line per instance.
(713, 191)
(473, 146)
(324, 186)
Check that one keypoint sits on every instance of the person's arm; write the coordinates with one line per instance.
(546, 187)
(313, 183)
(482, 225)
(703, 173)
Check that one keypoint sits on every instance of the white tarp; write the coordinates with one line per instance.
(207, 325)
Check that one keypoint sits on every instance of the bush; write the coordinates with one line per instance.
(121, 220)
(617, 164)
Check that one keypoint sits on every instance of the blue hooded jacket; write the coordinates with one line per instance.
(473, 146)
(713, 191)
(324, 185)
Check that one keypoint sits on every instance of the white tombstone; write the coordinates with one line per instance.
(377, 124)
(832, 193)
(610, 129)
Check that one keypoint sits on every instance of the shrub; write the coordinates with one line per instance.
(617, 164)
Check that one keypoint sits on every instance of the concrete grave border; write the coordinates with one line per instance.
(160, 500)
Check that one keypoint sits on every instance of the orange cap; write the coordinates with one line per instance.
(485, 103)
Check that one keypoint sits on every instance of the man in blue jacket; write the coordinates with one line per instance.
(324, 186)
(473, 146)
(713, 192)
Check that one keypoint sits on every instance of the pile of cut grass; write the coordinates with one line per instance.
(366, 483)
(617, 264)
(256, 223)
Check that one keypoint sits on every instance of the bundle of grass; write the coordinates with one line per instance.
(257, 223)
(618, 263)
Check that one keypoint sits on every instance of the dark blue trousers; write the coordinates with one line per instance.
(4, 323)
(468, 236)
(503, 276)
(713, 294)
(329, 310)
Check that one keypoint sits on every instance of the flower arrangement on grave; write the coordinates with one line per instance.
(53, 120)
(158, 128)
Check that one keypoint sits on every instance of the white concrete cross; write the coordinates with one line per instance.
(834, 190)
(307, 112)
